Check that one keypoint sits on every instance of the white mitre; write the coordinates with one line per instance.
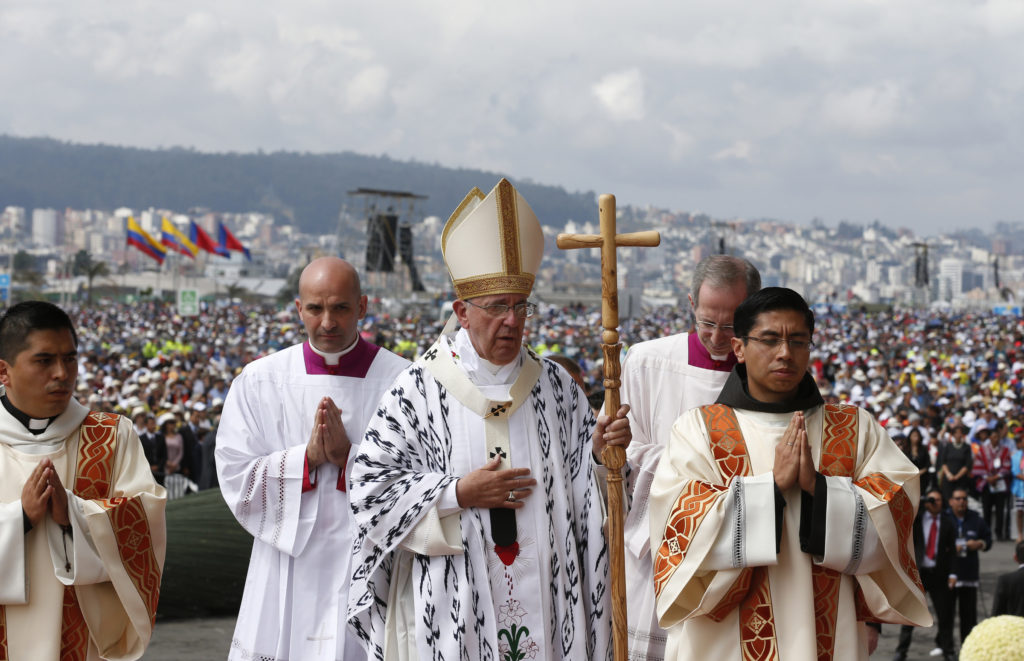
(492, 244)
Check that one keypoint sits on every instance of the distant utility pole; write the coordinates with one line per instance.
(724, 226)
(921, 269)
(921, 265)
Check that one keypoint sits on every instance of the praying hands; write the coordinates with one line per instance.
(793, 463)
(43, 492)
(328, 442)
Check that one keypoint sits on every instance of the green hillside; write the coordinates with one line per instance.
(308, 188)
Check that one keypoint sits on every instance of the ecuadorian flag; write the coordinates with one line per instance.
(137, 237)
(174, 239)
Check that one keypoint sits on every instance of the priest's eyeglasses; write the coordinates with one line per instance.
(773, 343)
(497, 310)
(711, 327)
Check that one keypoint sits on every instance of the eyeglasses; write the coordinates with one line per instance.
(711, 327)
(776, 342)
(497, 310)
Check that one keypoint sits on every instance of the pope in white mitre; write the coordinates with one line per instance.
(474, 490)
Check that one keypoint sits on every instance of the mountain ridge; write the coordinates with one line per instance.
(306, 188)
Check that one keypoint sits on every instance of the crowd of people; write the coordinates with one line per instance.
(948, 388)
(320, 433)
(938, 382)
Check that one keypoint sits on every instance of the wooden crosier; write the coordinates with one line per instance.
(613, 457)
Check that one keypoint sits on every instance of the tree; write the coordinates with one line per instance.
(237, 291)
(96, 270)
(83, 264)
(24, 263)
(290, 289)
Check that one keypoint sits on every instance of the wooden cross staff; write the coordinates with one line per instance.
(613, 457)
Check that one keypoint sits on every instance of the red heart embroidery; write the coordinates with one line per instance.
(507, 553)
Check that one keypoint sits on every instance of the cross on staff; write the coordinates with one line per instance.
(613, 457)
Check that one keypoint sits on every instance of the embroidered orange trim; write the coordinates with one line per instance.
(74, 633)
(97, 444)
(691, 507)
(838, 459)
(838, 441)
(751, 591)
(864, 613)
(727, 444)
(757, 621)
(733, 598)
(902, 511)
(826, 583)
(135, 544)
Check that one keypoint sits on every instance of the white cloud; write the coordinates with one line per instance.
(866, 109)
(682, 142)
(367, 88)
(807, 108)
(740, 150)
(622, 94)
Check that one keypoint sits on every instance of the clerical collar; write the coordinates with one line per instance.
(333, 358)
(698, 356)
(735, 393)
(34, 425)
(354, 361)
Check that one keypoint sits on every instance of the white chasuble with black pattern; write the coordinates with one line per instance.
(540, 591)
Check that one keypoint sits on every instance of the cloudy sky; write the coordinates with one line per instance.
(909, 112)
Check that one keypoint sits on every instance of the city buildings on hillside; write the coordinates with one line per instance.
(848, 264)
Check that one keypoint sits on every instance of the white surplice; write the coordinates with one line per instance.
(428, 581)
(710, 532)
(297, 586)
(113, 557)
(661, 380)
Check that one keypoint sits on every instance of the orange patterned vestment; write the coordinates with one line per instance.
(750, 592)
(838, 459)
(120, 517)
(715, 573)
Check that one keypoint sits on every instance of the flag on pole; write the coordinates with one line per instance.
(140, 239)
(203, 241)
(174, 239)
(228, 241)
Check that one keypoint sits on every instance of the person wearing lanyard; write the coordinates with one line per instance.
(973, 535)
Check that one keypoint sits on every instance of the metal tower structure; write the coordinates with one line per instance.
(389, 215)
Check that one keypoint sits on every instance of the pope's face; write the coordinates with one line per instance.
(716, 305)
(774, 373)
(41, 379)
(496, 338)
